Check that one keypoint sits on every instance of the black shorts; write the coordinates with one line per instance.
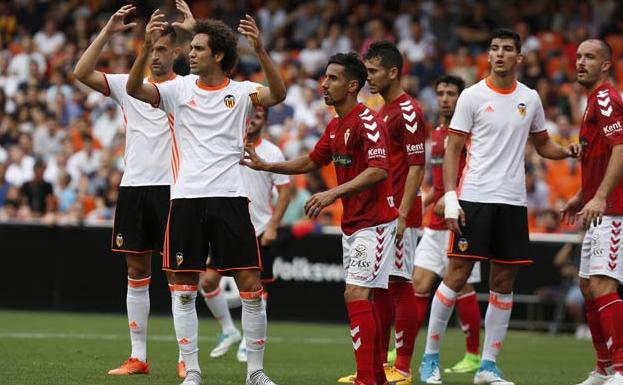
(219, 227)
(140, 219)
(494, 231)
(267, 258)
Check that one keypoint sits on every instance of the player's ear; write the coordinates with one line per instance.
(353, 86)
(520, 58)
(606, 65)
(177, 51)
(218, 57)
(394, 72)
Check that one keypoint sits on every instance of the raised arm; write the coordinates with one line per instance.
(275, 93)
(85, 69)
(135, 86)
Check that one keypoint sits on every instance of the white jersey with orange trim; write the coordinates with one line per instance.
(497, 123)
(210, 128)
(148, 150)
(260, 185)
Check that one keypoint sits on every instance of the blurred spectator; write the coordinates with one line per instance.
(38, 193)
(48, 139)
(312, 58)
(20, 169)
(108, 124)
(49, 40)
(86, 161)
(416, 44)
(20, 63)
(4, 185)
(475, 27)
(336, 41)
(567, 260)
(272, 18)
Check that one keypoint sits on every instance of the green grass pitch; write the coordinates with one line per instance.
(39, 348)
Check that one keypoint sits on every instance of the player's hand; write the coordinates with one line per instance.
(593, 212)
(400, 229)
(453, 212)
(116, 22)
(574, 150)
(317, 202)
(269, 236)
(188, 24)
(440, 208)
(252, 160)
(248, 28)
(569, 212)
(154, 28)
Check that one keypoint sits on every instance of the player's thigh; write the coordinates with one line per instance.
(510, 235)
(187, 241)
(423, 280)
(404, 256)
(502, 277)
(234, 245)
(368, 254)
(475, 239)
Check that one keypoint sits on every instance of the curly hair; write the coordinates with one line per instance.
(221, 39)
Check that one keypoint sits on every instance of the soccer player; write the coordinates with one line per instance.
(355, 141)
(600, 205)
(431, 260)
(265, 218)
(494, 117)
(406, 130)
(209, 205)
(143, 203)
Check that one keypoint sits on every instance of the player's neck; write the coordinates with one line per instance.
(391, 93)
(444, 120)
(212, 79)
(344, 108)
(254, 138)
(590, 89)
(502, 82)
(161, 78)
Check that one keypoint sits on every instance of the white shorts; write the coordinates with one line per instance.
(368, 255)
(602, 249)
(432, 254)
(404, 255)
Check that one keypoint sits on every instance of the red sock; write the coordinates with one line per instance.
(421, 309)
(384, 311)
(599, 342)
(610, 309)
(469, 316)
(363, 331)
(406, 323)
(380, 350)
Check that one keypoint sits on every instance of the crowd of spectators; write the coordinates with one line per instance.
(61, 144)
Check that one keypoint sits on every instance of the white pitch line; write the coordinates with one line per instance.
(159, 338)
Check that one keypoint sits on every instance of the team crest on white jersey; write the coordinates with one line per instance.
(521, 107)
(230, 101)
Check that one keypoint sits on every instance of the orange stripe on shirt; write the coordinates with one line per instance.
(468, 158)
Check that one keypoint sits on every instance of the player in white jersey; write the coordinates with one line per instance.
(493, 120)
(266, 218)
(209, 204)
(143, 202)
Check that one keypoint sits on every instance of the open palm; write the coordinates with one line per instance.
(117, 23)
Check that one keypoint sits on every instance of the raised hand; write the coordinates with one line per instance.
(248, 28)
(116, 22)
(154, 28)
(188, 24)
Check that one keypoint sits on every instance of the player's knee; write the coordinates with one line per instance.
(502, 284)
(248, 281)
(210, 281)
(585, 288)
(139, 265)
(356, 293)
(602, 285)
(422, 283)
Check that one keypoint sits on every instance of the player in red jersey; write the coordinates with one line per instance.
(406, 131)
(355, 141)
(600, 206)
(431, 260)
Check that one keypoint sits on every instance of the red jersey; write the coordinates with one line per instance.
(602, 128)
(354, 143)
(405, 126)
(439, 137)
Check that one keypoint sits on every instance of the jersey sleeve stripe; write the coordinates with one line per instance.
(255, 98)
(458, 131)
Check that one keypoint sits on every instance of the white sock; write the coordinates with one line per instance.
(254, 330)
(179, 354)
(186, 324)
(496, 324)
(218, 306)
(137, 302)
(440, 312)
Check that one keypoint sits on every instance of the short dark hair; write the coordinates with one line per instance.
(222, 39)
(387, 53)
(353, 67)
(605, 47)
(451, 79)
(505, 33)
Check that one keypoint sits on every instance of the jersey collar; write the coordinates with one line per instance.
(171, 77)
(213, 88)
(501, 90)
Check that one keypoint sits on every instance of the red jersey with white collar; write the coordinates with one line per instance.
(602, 128)
(354, 143)
(405, 126)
